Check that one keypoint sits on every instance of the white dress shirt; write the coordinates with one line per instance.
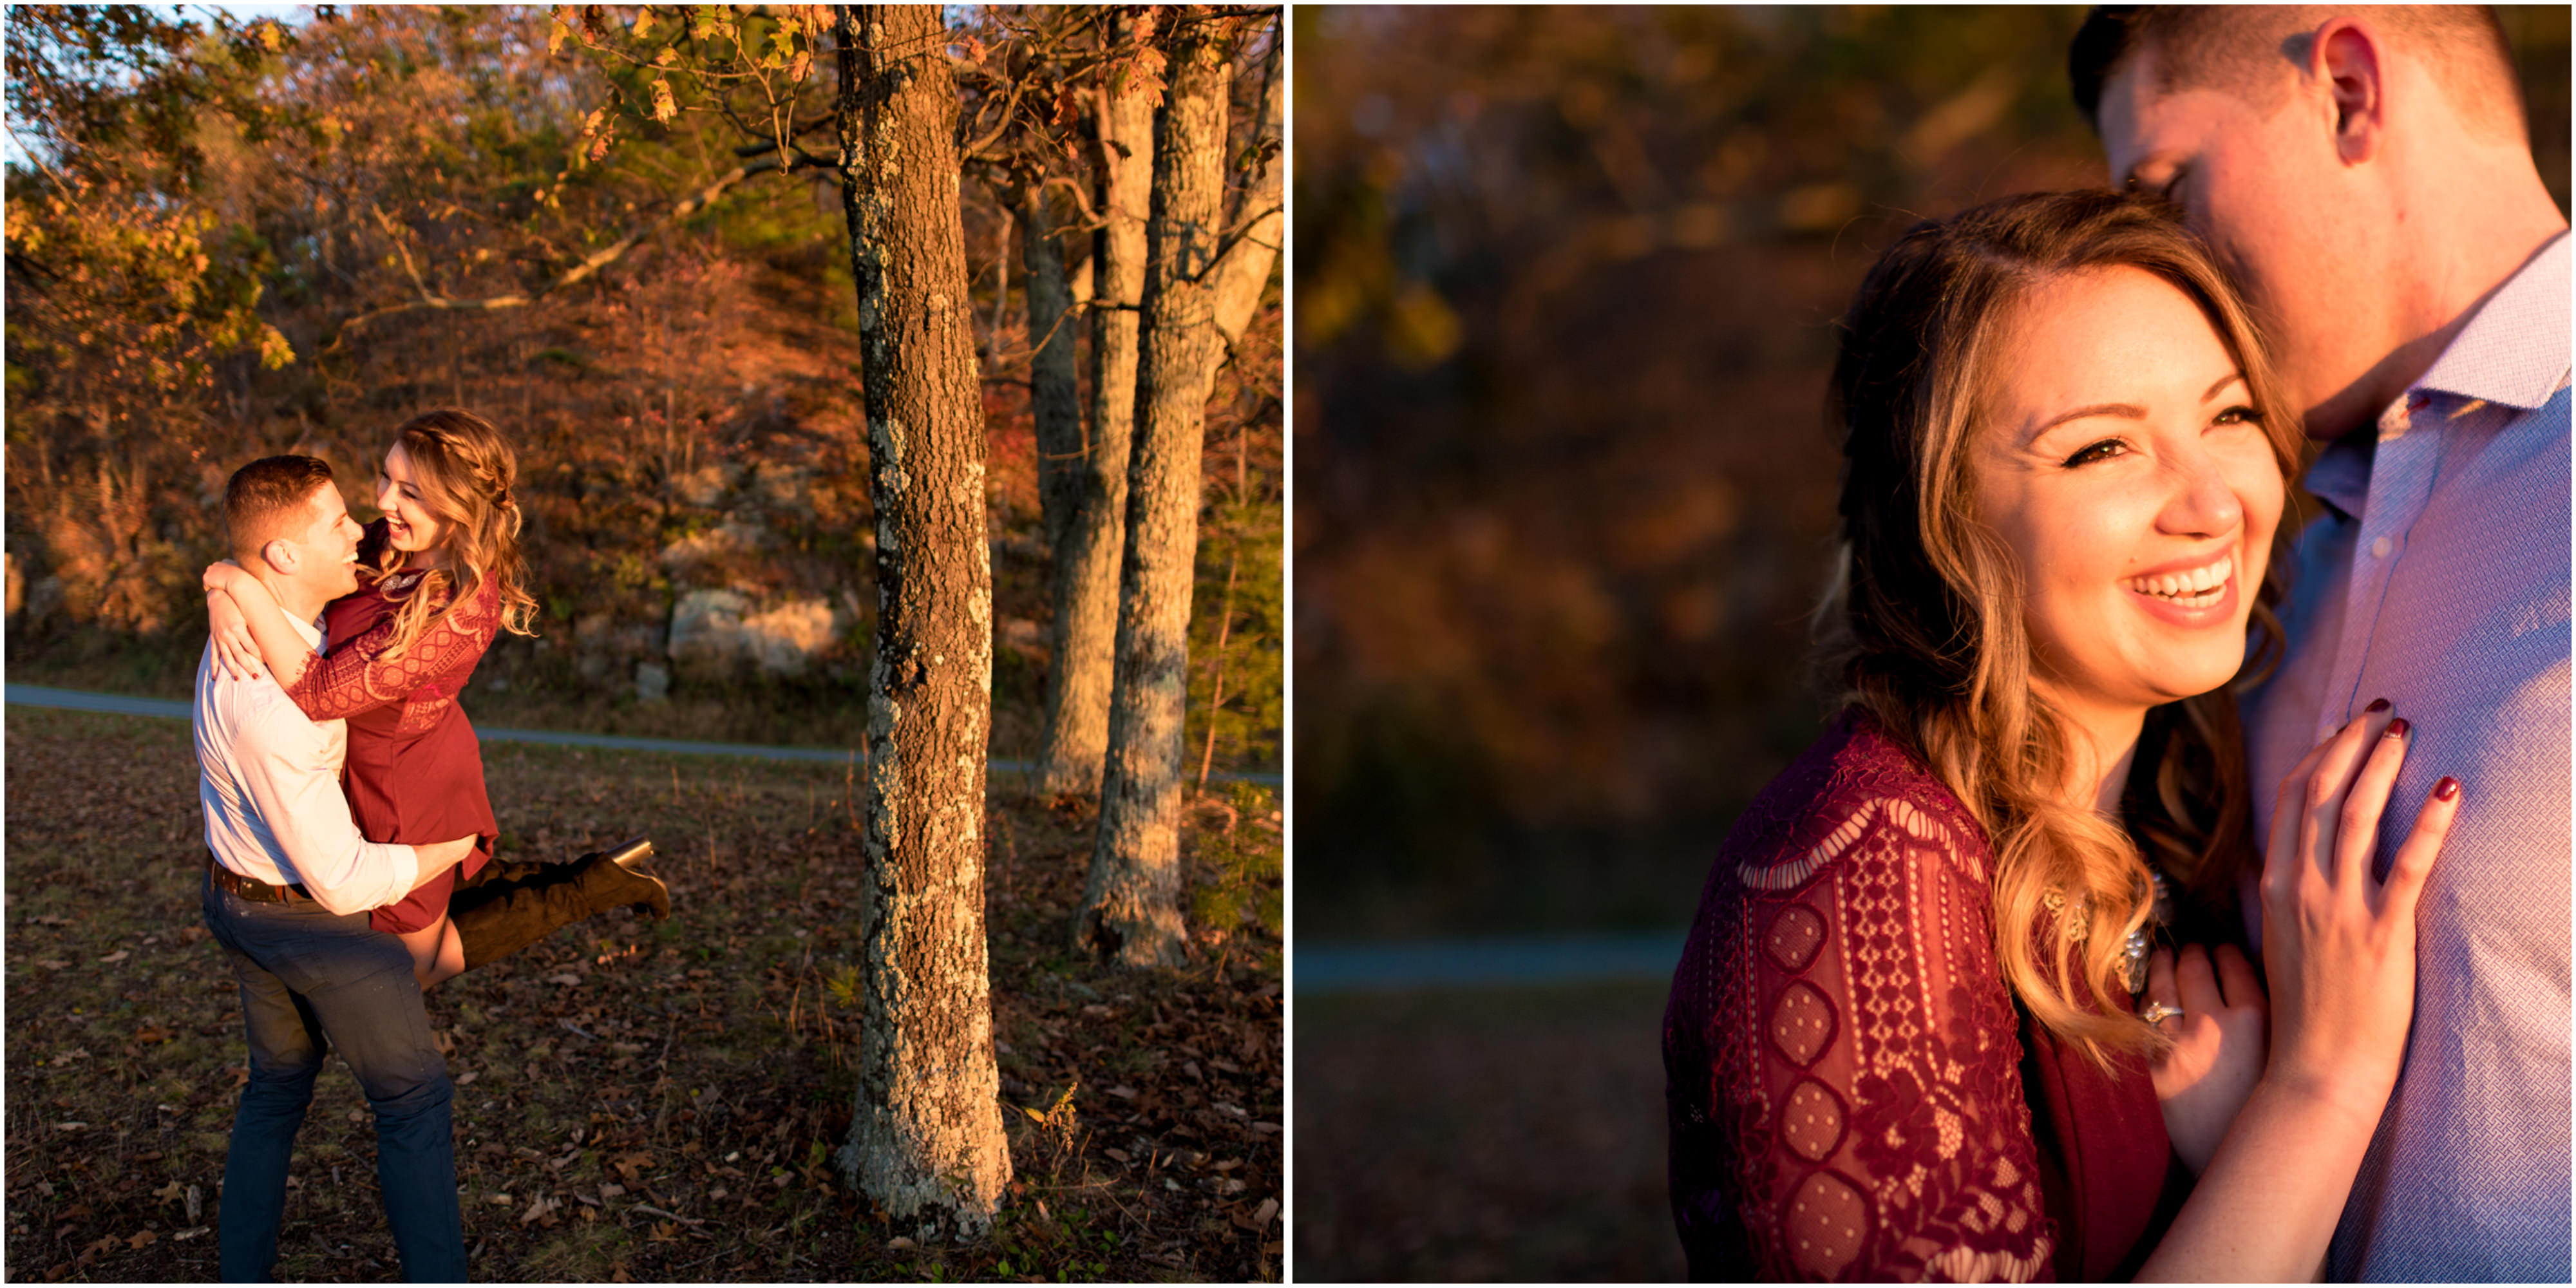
(2437, 578)
(270, 781)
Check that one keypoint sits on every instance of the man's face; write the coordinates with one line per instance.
(2277, 203)
(326, 546)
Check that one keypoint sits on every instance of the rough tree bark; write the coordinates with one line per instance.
(926, 1137)
(1130, 909)
(1092, 537)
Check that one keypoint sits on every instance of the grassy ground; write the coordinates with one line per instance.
(1506, 1134)
(636, 1100)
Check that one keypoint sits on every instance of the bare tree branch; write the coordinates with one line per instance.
(1019, 84)
(402, 246)
(796, 130)
(1249, 253)
(1081, 201)
(589, 265)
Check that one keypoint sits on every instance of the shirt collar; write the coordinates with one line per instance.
(310, 631)
(2341, 475)
(2514, 349)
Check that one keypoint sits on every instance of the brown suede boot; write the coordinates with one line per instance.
(508, 906)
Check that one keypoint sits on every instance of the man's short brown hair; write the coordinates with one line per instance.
(267, 499)
(2245, 49)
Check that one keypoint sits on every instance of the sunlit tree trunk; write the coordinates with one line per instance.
(1244, 272)
(1130, 909)
(926, 1137)
(1090, 542)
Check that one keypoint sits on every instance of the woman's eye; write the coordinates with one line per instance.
(2238, 416)
(2101, 451)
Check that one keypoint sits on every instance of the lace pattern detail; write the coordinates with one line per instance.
(1840, 1048)
(1914, 822)
(356, 676)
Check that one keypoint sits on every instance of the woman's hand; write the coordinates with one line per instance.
(2338, 943)
(2339, 951)
(2217, 1055)
(222, 575)
(229, 630)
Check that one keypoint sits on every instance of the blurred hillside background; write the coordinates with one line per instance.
(202, 288)
(1565, 279)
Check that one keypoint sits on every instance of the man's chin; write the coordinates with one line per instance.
(2355, 404)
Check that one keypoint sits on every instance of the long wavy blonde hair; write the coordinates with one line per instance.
(466, 475)
(1926, 623)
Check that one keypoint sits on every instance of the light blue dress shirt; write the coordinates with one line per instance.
(2438, 578)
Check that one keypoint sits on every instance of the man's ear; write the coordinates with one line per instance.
(2346, 60)
(280, 555)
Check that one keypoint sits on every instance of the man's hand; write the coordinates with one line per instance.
(439, 856)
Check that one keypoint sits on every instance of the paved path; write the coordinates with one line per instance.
(31, 695)
(1362, 968)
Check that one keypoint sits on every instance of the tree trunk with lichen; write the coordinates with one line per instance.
(1130, 911)
(926, 1140)
(1092, 537)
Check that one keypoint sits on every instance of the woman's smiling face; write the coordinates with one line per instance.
(2118, 456)
(409, 524)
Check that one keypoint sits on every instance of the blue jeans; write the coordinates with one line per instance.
(308, 974)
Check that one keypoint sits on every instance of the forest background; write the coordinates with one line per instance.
(1566, 280)
(687, 410)
(624, 234)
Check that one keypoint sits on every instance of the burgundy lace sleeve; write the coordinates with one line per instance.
(358, 676)
(1841, 1049)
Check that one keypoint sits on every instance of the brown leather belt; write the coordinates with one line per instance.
(255, 891)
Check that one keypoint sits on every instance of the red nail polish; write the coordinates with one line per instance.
(2375, 707)
(2446, 789)
(2397, 728)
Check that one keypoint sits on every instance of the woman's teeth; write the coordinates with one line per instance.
(2198, 588)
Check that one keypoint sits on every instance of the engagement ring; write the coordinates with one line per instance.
(2158, 1013)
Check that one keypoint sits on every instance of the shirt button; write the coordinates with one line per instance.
(2379, 549)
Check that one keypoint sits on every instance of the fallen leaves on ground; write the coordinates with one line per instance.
(637, 1100)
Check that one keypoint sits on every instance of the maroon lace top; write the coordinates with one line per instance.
(1852, 1094)
(415, 770)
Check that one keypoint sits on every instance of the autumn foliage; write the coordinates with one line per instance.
(236, 239)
